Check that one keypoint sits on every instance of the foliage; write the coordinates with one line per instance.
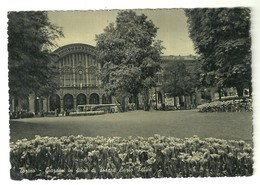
(79, 157)
(178, 80)
(31, 37)
(128, 53)
(21, 114)
(222, 39)
(227, 106)
(50, 113)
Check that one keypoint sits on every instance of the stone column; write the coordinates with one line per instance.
(182, 100)
(177, 101)
(192, 99)
(87, 101)
(45, 105)
(74, 77)
(74, 102)
(198, 98)
(86, 70)
(100, 99)
(83, 77)
(187, 100)
(31, 103)
(61, 105)
(73, 69)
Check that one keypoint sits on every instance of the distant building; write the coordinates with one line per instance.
(161, 99)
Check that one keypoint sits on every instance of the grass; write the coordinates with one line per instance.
(181, 124)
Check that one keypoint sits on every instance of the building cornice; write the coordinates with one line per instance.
(74, 48)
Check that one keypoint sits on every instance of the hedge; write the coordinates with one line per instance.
(242, 105)
(17, 115)
(79, 157)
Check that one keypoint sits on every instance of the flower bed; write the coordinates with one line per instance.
(78, 157)
(241, 105)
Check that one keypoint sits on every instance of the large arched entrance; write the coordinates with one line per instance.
(55, 102)
(81, 99)
(68, 102)
(106, 99)
(94, 98)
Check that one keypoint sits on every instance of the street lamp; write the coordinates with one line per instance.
(155, 93)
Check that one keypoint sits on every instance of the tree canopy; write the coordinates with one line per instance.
(129, 54)
(31, 38)
(221, 37)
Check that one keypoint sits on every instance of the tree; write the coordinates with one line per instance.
(31, 38)
(222, 39)
(178, 80)
(129, 54)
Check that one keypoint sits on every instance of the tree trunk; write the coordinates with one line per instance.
(145, 96)
(250, 89)
(121, 101)
(219, 93)
(136, 101)
(239, 90)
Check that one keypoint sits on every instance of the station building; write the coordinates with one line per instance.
(79, 83)
(78, 78)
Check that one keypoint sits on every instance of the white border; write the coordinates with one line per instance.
(18, 5)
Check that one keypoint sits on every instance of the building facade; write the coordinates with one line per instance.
(79, 83)
(78, 78)
(161, 99)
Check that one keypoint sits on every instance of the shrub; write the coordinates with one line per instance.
(50, 113)
(239, 105)
(27, 114)
(78, 157)
(21, 114)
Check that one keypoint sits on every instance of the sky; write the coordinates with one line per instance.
(82, 26)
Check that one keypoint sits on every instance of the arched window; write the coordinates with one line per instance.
(106, 99)
(68, 102)
(81, 99)
(80, 72)
(92, 76)
(55, 102)
(94, 99)
(67, 77)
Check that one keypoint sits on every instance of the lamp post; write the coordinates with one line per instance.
(38, 105)
(155, 93)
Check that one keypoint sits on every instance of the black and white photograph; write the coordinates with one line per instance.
(131, 93)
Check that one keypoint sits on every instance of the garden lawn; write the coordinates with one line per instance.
(181, 124)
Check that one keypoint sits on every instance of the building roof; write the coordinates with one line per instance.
(76, 47)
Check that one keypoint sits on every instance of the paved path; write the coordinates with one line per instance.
(140, 123)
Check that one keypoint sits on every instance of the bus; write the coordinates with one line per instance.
(108, 108)
(169, 102)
